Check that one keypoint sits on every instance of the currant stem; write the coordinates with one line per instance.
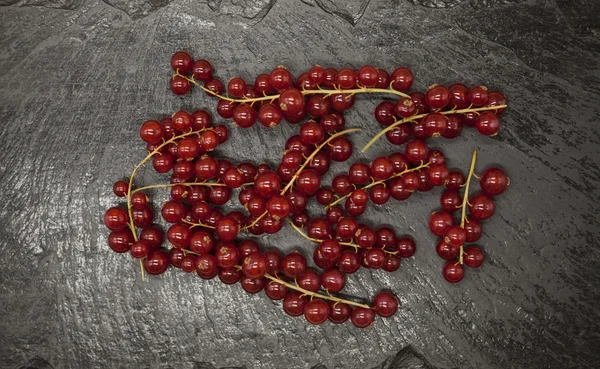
(199, 224)
(372, 184)
(466, 200)
(132, 176)
(163, 185)
(301, 168)
(360, 90)
(349, 244)
(415, 117)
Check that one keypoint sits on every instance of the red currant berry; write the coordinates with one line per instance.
(202, 70)
(447, 251)
(219, 195)
(227, 229)
(274, 262)
(379, 194)
(206, 266)
(309, 280)
(368, 76)
(139, 249)
(294, 303)
(385, 304)
(333, 281)
(339, 149)
(450, 201)
(495, 98)
(157, 262)
(459, 96)
(493, 181)
(392, 263)
(270, 115)
(214, 87)
(152, 132)
(120, 241)
(308, 182)
(402, 79)
(188, 149)
(453, 126)
(455, 236)
(382, 168)
(244, 116)
(474, 229)
(162, 163)
(365, 237)
(267, 184)
(226, 108)
(479, 96)
(142, 217)
(275, 291)
(318, 106)
(201, 243)
(362, 317)
(342, 102)
(316, 311)
(230, 275)
(319, 228)
(481, 207)
(488, 124)
(293, 265)
(437, 97)
(279, 207)
(311, 133)
(116, 219)
(176, 257)
(182, 121)
(188, 263)
(236, 87)
(354, 210)
(181, 62)
(455, 180)
(346, 227)
(359, 173)
(473, 256)
(439, 222)
(120, 188)
(341, 185)
(180, 85)
(291, 101)
(437, 174)
(281, 78)
(453, 272)
(348, 262)
(262, 84)
(398, 135)
(416, 151)
(405, 107)
(254, 265)
(330, 250)
(253, 285)
(375, 258)
(435, 124)
(384, 113)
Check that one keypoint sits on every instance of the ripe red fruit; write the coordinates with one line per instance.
(157, 262)
(316, 311)
(309, 280)
(330, 250)
(270, 115)
(439, 222)
(348, 262)
(202, 70)
(120, 241)
(227, 255)
(382, 168)
(402, 79)
(116, 219)
(384, 113)
(339, 312)
(293, 265)
(267, 184)
(275, 291)
(481, 207)
(453, 272)
(368, 76)
(227, 229)
(437, 97)
(308, 182)
(280, 78)
(291, 101)
(493, 181)
(255, 265)
(181, 62)
(473, 256)
(488, 124)
(294, 303)
(152, 132)
(362, 317)
(385, 304)
(416, 151)
(333, 280)
(339, 149)
(180, 85)
(455, 236)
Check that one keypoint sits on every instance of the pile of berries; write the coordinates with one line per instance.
(212, 243)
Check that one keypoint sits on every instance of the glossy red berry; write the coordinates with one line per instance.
(116, 219)
(453, 272)
(479, 96)
(316, 311)
(206, 266)
(392, 263)
(274, 261)
(120, 241)
(233, 177)
(311, 133)
(120, 188)
(267, 184)
(405, 107)
(382, 168)
(333, 281)
(474, 229)
(455, 180)
(142, 217)
(275, 291)
(459, 96)
(188, 263)
(254, 265)
(308, 182)
(402, 79)
(496, 98)
(437, 97)
(359, 173)
(339, 312)
(227, 229)
(384, 113)
(368, 76)
(455, 236)
(309, 280)
(244, 115)
(202, 70)
(270, 115)
(293, 265)
(157, 262)
(362, 317)
(339, 149)
(488, 124)
(181, 62)
(437, 174)
(375, 258)
(230, 275)
(342, 102)
(435, 124)
(439, 222)
(279, 207)
(493, 181)
(152, 132)
(176, 257)
(330, 250)
(180, 85)
(291, 101)
(450, 201)
(280, 78)
(317, 106)
(179, 235)
(236, 87)
(481, 207)
(385, 304)
(294, 303)
(416, 151)
(253, 285)
(473, 257)
(348, 262)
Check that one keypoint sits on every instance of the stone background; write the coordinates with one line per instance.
(77, 78)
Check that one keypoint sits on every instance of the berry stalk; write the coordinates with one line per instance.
(466, 200)
(353, 91)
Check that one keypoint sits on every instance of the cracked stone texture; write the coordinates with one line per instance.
(76, 85)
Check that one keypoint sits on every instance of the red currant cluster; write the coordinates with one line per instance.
(481, 207)
(440, 111)
(211, 243)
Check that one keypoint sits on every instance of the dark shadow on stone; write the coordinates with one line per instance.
(37, 363)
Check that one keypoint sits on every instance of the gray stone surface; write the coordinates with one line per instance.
(77, 81)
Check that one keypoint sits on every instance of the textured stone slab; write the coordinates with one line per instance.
(76, 82)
